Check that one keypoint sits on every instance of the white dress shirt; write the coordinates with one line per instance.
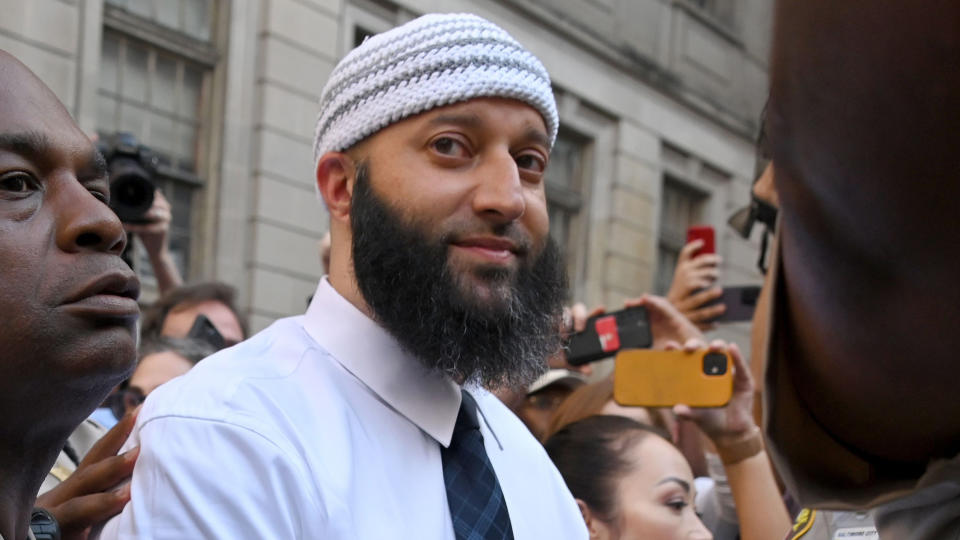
(319, 427)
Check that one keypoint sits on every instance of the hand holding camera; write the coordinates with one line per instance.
(155, 226)
(138, 202)
(132, 167)
(133, 194)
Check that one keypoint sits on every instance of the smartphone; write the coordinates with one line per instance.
(741, 302)
(705, 233)
(645, 378)
(204, 330)
(608, 333)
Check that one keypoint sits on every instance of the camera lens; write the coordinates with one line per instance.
(131, 191)
(714, 363)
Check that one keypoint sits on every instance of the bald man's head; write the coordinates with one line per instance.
(68, 299)
(20, 88)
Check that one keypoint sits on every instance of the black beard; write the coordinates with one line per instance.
(500, 342)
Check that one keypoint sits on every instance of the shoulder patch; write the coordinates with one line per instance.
(803, 523)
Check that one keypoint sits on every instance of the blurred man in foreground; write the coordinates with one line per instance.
(69, 302)
(864, 126)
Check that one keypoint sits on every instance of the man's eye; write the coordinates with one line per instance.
(532, 163)
(448, 146)
(16, 183)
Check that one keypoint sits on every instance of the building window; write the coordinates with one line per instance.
(155, 96)
(681, 206)
(360, 34)
(155, 69)
(564, 189)
(189, 17)
(365, 18)
(718, 11)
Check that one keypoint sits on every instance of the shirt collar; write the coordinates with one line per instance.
(372, 355)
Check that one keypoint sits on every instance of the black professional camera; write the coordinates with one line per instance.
(131, 166)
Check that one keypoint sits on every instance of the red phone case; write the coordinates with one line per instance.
(705, 233)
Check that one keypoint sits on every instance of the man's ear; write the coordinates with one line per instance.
(335, 175)
(594, 526)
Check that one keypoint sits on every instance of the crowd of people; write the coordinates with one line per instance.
(426, 392)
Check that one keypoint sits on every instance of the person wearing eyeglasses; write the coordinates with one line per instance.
(161, 360)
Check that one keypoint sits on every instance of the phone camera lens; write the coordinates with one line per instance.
(714, 363)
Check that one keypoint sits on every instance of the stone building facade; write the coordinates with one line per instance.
(658, 100)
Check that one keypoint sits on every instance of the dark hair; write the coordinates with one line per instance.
(591, 456)
(193, 350)
(589, 400)
(187, 296)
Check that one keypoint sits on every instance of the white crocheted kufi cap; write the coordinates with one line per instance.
(430, 62)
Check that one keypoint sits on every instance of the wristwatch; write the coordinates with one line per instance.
(43, 526)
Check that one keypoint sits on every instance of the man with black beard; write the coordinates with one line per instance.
(405, 279)
(369, 417)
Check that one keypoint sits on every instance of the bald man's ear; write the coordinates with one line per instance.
(336, 172)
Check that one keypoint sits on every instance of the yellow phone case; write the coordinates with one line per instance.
(647, 378)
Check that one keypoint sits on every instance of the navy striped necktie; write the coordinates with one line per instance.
(473, 492)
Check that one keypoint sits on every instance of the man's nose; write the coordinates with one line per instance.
(499, 193)
(85, 223)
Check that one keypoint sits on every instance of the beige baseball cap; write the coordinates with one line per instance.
(564, 377)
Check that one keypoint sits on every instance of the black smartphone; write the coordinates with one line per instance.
(741, 302)
(204, 330)
(608, 333)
